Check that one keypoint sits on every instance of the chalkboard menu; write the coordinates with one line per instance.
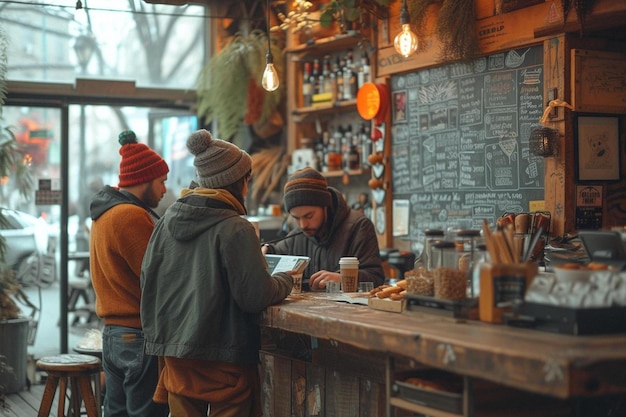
(460, 136)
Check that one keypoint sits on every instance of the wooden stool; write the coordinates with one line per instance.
(78, 369)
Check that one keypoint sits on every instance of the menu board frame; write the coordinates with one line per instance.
(460, 140)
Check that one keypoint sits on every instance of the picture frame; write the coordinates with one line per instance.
(597, 148)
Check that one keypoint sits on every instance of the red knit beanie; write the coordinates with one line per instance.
(139, 164)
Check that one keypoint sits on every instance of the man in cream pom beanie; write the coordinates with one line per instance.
(327, 229)
(204, 283)
(218, 163)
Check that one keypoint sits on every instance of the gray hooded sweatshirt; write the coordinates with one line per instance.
(204, 282)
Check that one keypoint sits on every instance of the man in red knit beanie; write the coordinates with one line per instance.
(123, 220)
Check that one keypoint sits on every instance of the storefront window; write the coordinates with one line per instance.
(154, 45)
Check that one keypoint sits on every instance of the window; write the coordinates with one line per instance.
(154, 45)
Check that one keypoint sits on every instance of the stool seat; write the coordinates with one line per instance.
(77, 369)
(69, 362)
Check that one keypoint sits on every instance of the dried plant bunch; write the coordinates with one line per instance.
(299, 19)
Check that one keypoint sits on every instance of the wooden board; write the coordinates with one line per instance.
(598, 81)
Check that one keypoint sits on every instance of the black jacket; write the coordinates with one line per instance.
(346, 233)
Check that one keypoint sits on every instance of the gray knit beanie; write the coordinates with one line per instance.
(218, 163)
(306, 187)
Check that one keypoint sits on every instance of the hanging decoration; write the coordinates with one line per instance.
(544, 141)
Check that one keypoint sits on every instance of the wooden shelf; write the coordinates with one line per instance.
(418, 408)
(339, 173)
(302, 114)
(326, 45)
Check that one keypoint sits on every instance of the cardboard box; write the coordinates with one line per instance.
(386, 304)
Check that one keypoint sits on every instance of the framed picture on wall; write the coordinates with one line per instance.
(597, 148)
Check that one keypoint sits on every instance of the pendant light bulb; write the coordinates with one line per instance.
(270, 76)
(406, 41)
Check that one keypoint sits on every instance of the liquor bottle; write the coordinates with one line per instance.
(328, 88)
(307, 87)
(354, 157)
(315, 76)
(319, 154)
(349, 79)
(366, 145)
(365, 75)
(338, 70)
(346, 144)
(325, 150)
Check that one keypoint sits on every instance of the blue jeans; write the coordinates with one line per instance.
(130, 376)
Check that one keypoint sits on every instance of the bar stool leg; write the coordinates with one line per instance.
(88, 397)
(48, 395)
(75, 399)
(62, 394)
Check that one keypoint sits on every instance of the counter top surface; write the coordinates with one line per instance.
(554, 364)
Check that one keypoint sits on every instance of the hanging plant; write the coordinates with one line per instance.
(583, 9)
(418, 11)
(456, 29)
(231, 76)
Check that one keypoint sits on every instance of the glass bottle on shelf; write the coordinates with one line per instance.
(315, 76)
(319, 154)
(326, 151)
(327, 82)
(364, 74)
(354, 156)
(366, 145)
(338, 70)
(334, 150)
(349, 78)
(307, 87)
(346, 143)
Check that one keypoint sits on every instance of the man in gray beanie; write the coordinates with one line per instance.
(328, 229)
(204, 283)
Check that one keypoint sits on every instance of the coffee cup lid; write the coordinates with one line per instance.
(348, 260)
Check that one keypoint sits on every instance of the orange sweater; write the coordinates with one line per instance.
(118, 242)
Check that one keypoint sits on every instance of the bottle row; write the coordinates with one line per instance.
(341, 148)
(331, 80)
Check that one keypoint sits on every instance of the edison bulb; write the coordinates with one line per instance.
(270, 78)
(405, 41)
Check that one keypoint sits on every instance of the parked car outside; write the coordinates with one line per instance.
(26, 240)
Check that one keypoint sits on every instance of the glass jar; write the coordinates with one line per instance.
(425, 259)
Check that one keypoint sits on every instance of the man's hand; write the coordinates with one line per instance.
(319, 279)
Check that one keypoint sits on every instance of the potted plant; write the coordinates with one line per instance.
(14, 327)
(229, 86)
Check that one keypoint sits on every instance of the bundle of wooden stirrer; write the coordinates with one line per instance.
(507, 248)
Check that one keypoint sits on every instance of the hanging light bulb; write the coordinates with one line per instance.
(270, 77)
(405, 41)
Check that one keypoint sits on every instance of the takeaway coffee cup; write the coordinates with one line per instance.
(297, 284)
(349, 268)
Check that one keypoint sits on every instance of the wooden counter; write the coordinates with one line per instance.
(558, 366)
